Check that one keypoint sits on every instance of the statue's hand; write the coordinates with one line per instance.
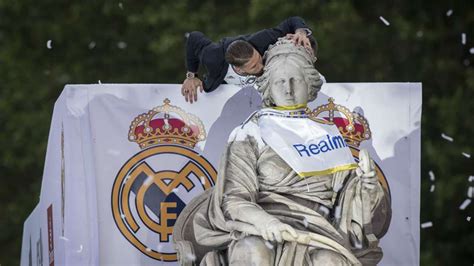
(272, 231)
(366, 170)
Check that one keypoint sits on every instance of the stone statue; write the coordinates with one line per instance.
(264, 212)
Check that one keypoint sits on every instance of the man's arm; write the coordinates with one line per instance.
(262, 39)
(290, 25)
(195, 43)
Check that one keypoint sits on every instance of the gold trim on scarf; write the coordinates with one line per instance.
(330, 170)
(289, 107)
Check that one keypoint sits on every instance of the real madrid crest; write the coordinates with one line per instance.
(153, 187)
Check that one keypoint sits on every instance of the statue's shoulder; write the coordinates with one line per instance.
(247, 130)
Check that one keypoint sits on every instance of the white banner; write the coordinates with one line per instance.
(125, 159)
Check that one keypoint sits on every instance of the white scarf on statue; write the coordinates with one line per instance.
(310, 147)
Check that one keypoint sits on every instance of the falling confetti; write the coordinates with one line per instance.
(469, 192)
(80, 249)
(64, 238)
(203, 180)
(100, 82)
(465, 203)
(463, 38)
(91, 45)
(432, 188)
(49, 44)
(305, 222)
(432, 176)
(471, 50)
(122, 45)
(468, 218)
(449, 13)
(149, 180)
(384, 21)
(471, 178)
(426, 225)
(446, 137)
(269, 245)
(467, 155)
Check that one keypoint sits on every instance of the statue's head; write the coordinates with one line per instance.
(289, 77)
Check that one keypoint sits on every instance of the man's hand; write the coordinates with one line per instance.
(300, 38)
(190, 88)
(272, 231)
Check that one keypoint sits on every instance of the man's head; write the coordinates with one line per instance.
(245, 59)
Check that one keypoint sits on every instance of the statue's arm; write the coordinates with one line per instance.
(241, 186)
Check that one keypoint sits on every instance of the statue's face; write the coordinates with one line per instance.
(288, 86)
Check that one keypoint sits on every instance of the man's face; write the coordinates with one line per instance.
(253, 67)
(288, 86)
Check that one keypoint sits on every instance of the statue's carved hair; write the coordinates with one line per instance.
(238, 53)
(285, 52)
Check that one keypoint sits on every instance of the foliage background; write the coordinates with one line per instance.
(143, 42)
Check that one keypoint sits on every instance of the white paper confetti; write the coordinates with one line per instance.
(446, 137)
(64, 238)
(100, 82)
(203, 180)
(471, 50)
(426, 225)
(305, 222)
(269, 245)
(432, 176)
(80, 249)
(463, 38)
(384, 21)
(471, 178)
(49, 44)
(467, 155)
(465, 203)
(91, 45)
(468, 218)
(148, 181)
(449, 12)
(469, 192)
(432, 188)
(122, 45)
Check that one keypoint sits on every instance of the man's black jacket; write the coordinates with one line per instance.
(201, 50)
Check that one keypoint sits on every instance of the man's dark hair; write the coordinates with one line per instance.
(238, 53)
